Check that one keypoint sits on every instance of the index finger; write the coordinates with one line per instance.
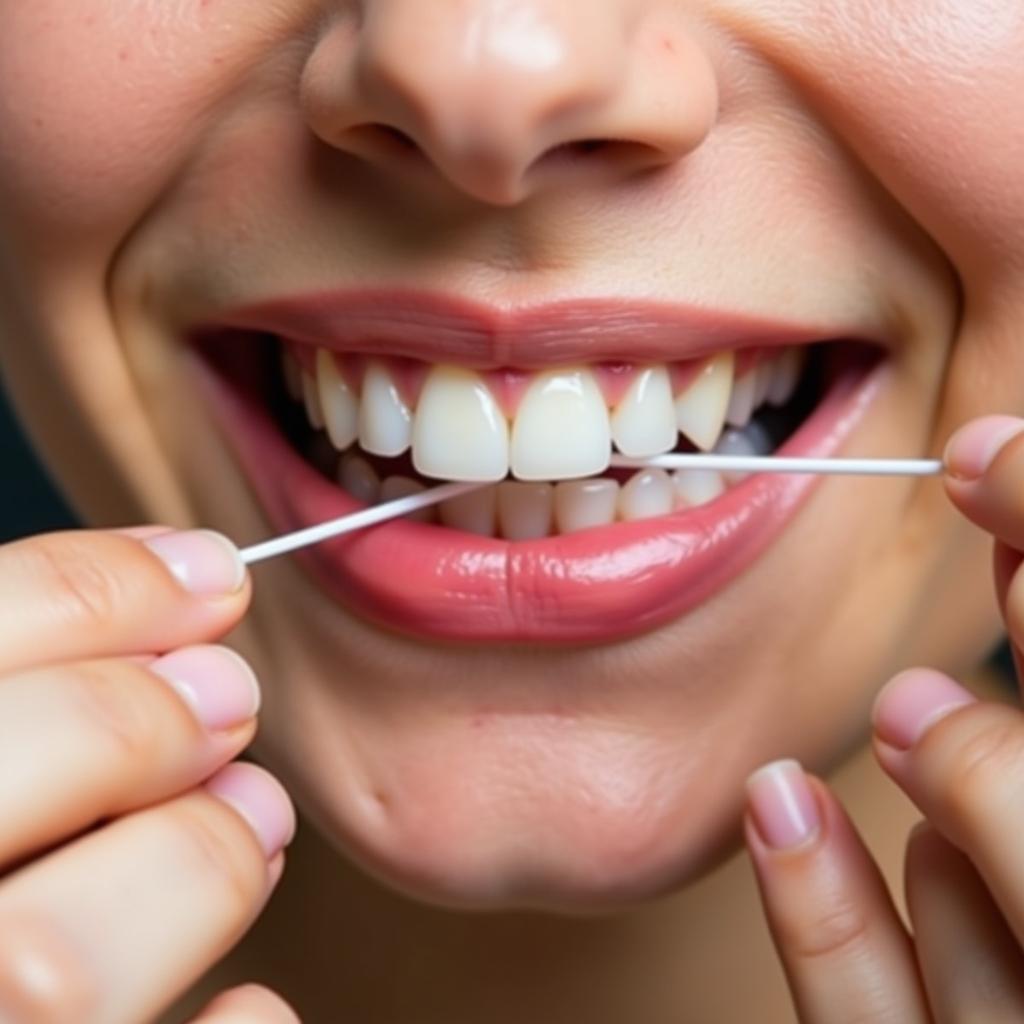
(95, 594)
(985, 478)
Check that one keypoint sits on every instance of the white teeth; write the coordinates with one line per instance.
(525, 511)
(741, 401)
(358, 477)
(765, 371)
(561, 430)
(735, 442)
(314, 411)
(647, 494)
(696, 487)
(788, 368)
(700, 410)
(339, 403)
(475, 512)
(644, 422)
(385, 422)
(582, 504)
(292, 375)
(401, 487)
(459, 431)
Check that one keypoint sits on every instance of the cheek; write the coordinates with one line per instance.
(928, 95)
(103, 99)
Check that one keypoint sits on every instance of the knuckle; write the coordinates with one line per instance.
(214, 848)
(83, 590)
(43, 978)
(116, 716)
(981, 766)
(837, 931)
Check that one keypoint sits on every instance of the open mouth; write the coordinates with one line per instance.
(558, 546)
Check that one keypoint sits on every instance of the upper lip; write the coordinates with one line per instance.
(441, 328)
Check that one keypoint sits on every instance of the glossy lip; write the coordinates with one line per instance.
(595, 586)
(439, 328)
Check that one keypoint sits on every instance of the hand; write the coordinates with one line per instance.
(846, 954)
(132, 855)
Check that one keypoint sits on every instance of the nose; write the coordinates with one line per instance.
(504, 97)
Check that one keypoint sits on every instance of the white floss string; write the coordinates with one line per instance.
(724, 463)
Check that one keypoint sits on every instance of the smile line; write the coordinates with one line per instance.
(729, 463)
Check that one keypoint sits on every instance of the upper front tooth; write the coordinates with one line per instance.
(700, 410)
(741, 402)
(561, 430)
(339, 404)
(385, 422)
(314, 411)
(644, 423)
(459, 431)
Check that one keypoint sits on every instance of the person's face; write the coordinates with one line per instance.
(535, 185)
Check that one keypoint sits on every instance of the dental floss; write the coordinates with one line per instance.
(695, 460)
(785, 464)
(355, 521)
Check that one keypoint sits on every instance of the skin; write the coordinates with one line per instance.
(830, 163)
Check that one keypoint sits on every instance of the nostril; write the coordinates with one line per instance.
(378, 139)
(396, 135)
(610, 153)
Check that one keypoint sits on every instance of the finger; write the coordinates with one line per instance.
(972, 967)
(961, 761)
(81, 595)
(1010, 593)
(845, 952)
(985, 476)
(85, 742)
(248, 1004)
(112, 928)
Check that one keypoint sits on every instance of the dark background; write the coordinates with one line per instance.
(32, 504)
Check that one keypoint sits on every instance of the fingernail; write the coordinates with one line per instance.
(912, 702)
(203, 562)
(260, 799)
(782, 805)
(216, 683)
(972, 449)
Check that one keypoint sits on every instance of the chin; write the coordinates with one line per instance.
(594, 824)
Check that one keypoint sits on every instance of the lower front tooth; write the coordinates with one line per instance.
(525, 510)
(360, 479)
(582, 504)
(647, 494)
(395, 487)
(696, 487)
(475, 512)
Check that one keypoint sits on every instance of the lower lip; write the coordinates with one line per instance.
(598, 585)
